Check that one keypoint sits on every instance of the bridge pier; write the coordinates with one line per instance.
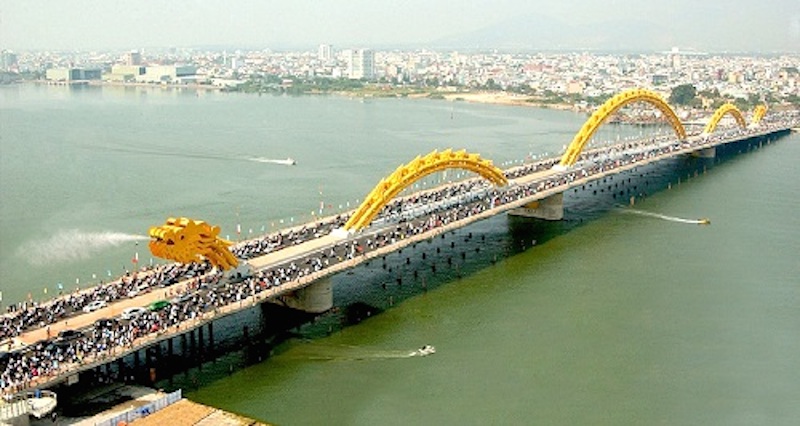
(184, 352)
(192, 345)
(121, 369)
(706, 153)
(211, 347)
(315, 298)
(201, 345)
(550, 208)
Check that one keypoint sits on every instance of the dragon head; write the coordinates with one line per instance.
(186, 240)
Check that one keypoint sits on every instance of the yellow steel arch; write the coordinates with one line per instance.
(407, 174)
(611, 106)
(758, 114)
(720, 112)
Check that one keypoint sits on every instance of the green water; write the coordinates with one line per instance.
(624, 320)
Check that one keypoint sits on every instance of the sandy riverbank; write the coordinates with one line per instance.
(503, 98)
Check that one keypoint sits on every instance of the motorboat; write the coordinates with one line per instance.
(425, 351)
(704, 221)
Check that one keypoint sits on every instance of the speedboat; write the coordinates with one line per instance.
(704, 221)
(425, 350)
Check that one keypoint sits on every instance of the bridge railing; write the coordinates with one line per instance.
(13, 409)
(13, 406)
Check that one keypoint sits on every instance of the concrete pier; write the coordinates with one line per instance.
(550, 208)
(314, 298)
(706, 152)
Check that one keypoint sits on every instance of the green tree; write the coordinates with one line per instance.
(492, 85)
(683, 94)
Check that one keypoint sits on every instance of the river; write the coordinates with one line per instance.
(612, 318)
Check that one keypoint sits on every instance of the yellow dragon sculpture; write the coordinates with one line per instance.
(187, 240)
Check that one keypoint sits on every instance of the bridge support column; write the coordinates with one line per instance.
(315, 298)
(121, 370)
(192, 345)
(550, 208)
(211, 348)
(706, 153)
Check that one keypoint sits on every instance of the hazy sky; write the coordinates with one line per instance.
(95, 24)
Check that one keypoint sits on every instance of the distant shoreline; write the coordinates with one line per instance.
(482, 97)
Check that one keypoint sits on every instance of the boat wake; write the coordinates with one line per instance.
(343, 353)
(702, 221)
(286, 162)
(186, 154)
(71, 245)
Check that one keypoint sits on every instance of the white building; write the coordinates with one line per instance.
(360, 63)
(72, 74)
(125, 72)
(168, 74)
(325, 53)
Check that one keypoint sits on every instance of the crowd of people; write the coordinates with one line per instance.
(208, 291)
(32, 314)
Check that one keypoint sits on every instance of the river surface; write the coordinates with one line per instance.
(617, 318)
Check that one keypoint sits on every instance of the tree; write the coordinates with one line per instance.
(492, 85)
(683, 94)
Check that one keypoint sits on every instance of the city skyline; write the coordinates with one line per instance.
(612, 25)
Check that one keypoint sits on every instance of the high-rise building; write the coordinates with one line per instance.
(361, 64)
(8, 60)
(133, 58)
(325, 52)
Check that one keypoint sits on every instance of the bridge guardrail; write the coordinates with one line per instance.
(11, 410)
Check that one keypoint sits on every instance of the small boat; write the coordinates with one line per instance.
(704, 221)
(425, 351)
